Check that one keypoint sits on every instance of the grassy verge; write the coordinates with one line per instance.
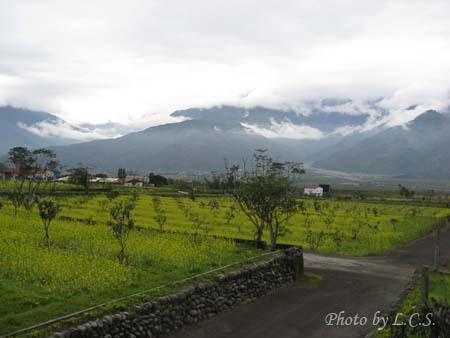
(439, 290)
(125, 304)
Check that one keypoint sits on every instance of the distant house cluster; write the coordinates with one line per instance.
(9, 173)
(12, 173)
(316, 190)
(131, 180)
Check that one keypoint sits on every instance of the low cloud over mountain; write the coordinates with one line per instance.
(22, 127)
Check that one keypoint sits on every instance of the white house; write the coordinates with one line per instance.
(105, 180)
(64, 179)
(313, 190)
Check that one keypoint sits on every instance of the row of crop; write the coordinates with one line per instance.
(345, 227)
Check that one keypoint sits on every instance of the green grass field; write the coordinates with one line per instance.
(80, 269)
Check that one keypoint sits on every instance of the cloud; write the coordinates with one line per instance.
(408, 103)
(67, 131)
(140, 60)
(285, 129)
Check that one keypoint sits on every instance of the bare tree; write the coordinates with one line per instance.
(122, 224)
(160, 213)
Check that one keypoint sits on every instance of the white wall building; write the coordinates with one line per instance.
(313, 190)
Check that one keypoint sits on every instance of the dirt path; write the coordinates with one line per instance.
(356, 285)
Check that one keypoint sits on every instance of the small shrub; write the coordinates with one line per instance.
(47, 212)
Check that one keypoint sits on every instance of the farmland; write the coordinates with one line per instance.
(80, 266)
(345, 227)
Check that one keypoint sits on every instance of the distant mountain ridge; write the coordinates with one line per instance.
(207, 137)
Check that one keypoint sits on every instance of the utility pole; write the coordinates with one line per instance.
(436, 248)
(425, 284)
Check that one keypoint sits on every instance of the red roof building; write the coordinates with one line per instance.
(13, 171)
(311, 186)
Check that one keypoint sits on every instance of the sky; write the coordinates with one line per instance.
(135, 62)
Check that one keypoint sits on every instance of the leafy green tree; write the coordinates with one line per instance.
(122, 223)
(35, 167)
(191, 192)
(103, 204)
(22, 158)
(214, 207)
(359, 195)
(218, 181)
(266, 194)
(394, 223)
(135, 196)
(328, 218)
(405, 192)
(160, 213)
(112, 194)
(16, 197)
(313, 238)
(196, 219)
(215, 182)
(121, 174)
(338, 237)
(47, 212)
(317, 206)
(157, 180)
(80, 176)
(230, 214)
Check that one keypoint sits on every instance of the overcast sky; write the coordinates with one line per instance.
(103, 60)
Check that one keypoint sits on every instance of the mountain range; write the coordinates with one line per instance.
(419, 149)
(206, 137)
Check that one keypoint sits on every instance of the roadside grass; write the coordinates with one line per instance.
(439, 289)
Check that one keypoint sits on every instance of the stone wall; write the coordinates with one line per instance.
(154, 318)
